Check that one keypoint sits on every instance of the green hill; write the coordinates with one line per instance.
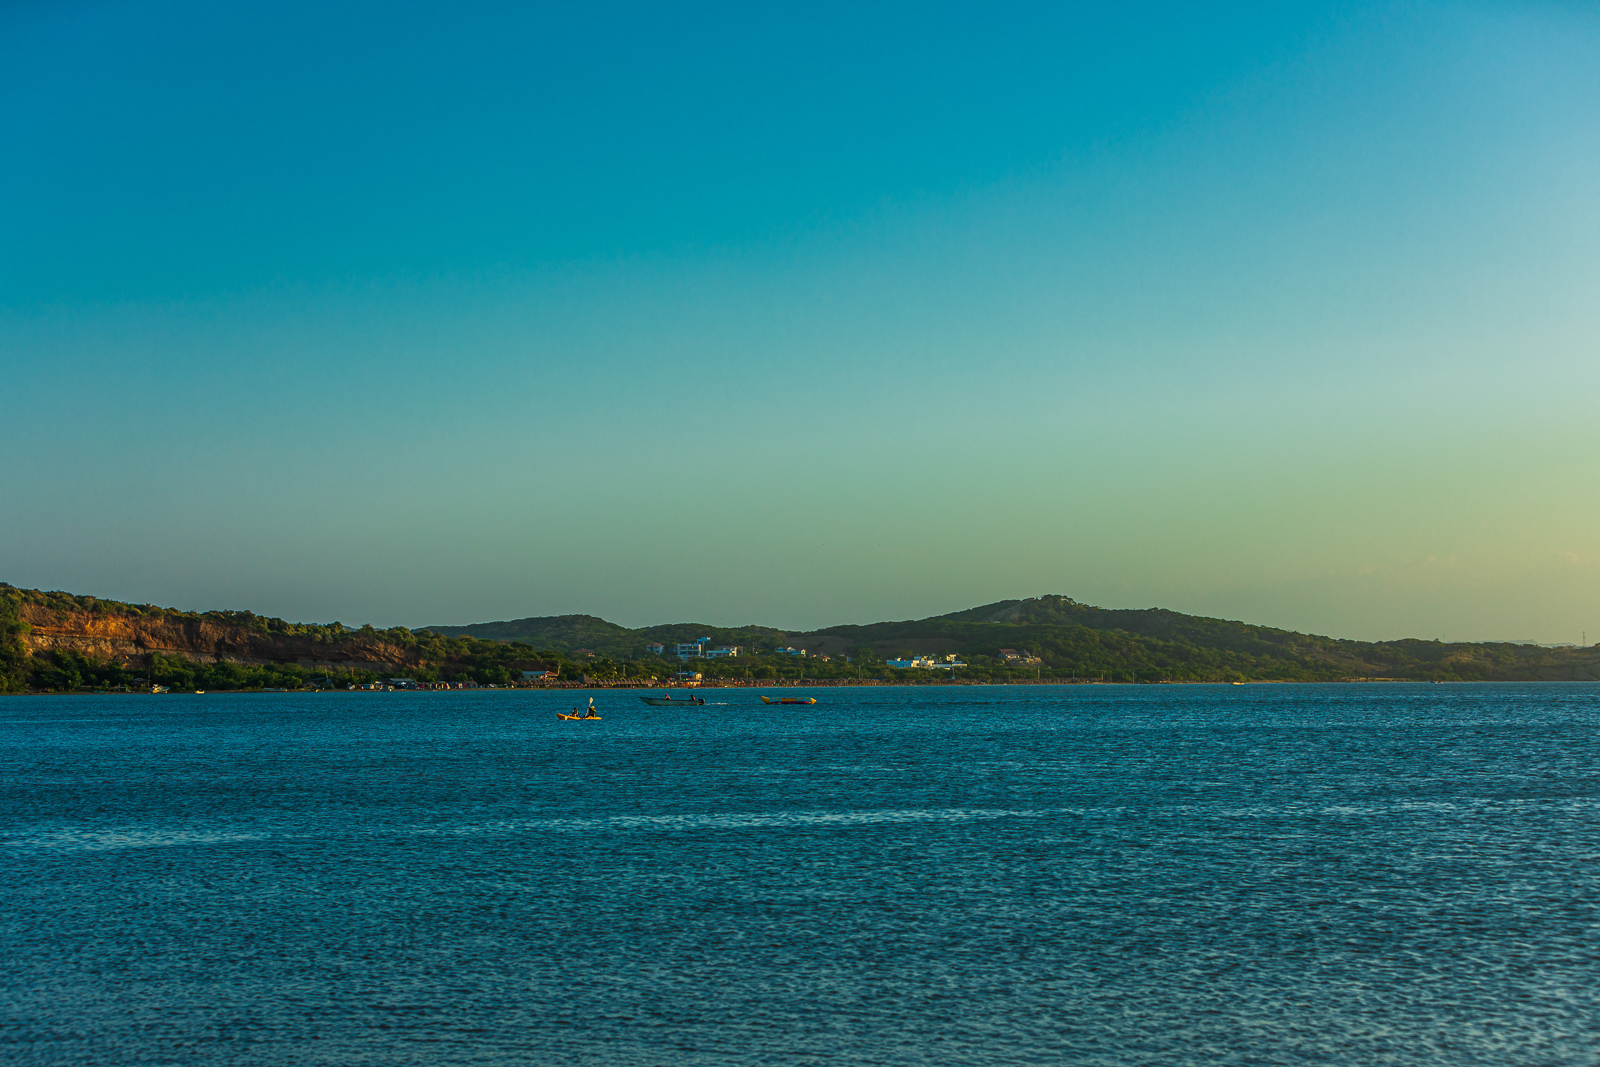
(570, 632)
(1076, 640)
(59, 641)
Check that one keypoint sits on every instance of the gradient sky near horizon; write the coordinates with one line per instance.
(806, 314)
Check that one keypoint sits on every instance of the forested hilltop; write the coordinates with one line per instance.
(64, 642)
(1155, 644)
(1068, 639)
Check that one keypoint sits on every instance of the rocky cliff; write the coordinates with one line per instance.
(128, 640)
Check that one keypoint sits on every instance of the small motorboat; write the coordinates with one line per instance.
(789, 700)
(668, 702)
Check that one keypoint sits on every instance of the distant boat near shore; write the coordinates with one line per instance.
(668, 702)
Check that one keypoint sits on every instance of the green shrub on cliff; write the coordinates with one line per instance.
(13, 654)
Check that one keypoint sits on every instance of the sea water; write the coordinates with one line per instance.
(1121, 875)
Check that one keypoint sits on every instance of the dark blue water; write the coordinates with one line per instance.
(1360, 874)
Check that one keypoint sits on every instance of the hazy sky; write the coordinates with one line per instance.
(442, 313)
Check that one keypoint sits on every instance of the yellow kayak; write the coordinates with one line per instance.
(575, 717)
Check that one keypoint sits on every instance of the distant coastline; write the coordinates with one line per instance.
(63, 642)
(732, 684)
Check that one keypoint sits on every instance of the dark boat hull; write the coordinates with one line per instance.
(668, 702)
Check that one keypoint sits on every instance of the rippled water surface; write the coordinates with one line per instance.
(1360, 874)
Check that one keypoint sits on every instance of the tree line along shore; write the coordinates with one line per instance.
(63, 642)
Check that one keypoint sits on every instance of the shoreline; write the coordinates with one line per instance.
(818, 684)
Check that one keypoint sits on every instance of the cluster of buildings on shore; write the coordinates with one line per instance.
(393, 684)
(700, 648)
(946, 663)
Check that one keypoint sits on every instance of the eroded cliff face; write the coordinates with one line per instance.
(129, 640)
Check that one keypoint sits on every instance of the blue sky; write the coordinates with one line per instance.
(425, 314)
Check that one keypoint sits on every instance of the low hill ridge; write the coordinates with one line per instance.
(48, 639)
(1153, 644)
